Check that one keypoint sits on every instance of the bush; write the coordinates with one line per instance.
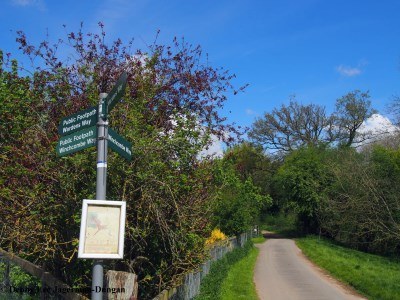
(363, 210)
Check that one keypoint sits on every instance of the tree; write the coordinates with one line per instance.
(351, 111)
(293, 126)
(394, 109)
(303, 181)
(296, 125)
(251, 162)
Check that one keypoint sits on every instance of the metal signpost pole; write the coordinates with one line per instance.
(97, 275)
(78, 132)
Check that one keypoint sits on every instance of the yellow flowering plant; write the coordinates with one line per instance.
(216, 236)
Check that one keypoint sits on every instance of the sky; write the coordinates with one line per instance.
(317, 50)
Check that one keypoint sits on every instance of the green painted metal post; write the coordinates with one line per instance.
(101, 181)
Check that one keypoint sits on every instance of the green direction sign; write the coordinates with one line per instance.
(116, 94)
(77, 141)
(78, 121)
(119, 144)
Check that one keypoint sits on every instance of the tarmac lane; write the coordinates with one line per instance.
(282, 272)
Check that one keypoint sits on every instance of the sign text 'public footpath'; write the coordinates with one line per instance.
(77, 141)
(78, 121)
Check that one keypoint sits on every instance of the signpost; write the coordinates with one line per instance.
(78, 132)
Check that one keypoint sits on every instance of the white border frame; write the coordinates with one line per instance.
(82, 235)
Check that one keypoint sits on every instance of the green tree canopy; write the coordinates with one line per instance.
(304, 180)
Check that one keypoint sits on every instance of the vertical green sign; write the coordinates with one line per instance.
(116, 94)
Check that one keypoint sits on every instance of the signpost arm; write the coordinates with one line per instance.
(101, 180)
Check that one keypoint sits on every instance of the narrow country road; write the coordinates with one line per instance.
(283, 273)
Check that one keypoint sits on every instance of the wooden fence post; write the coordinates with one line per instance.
(6, 275)
(121, 285)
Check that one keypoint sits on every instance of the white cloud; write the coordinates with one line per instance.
(215, 149)
(378, 124)
(375, 128)
(348, 71)
(250, 112)
(30, 3)
(214, 146)
(22, 2)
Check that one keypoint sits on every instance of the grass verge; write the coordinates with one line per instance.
(239, 283)
(232, 276)
(258, 240)
(374, 276)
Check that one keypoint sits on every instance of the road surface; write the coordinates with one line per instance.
(283, 273)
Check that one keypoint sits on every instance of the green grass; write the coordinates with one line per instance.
(239, 283)
(374, 276)
(231, 277)
(258, 240)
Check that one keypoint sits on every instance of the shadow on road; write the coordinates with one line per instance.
(281, 235)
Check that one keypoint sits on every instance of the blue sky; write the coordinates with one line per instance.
(318, 50)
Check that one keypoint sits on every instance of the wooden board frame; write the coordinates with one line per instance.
(102, 229)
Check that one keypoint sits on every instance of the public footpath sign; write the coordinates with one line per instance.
(119, 144)
(83, 119)
(74, 135)
(88, 128)
(77, 141)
